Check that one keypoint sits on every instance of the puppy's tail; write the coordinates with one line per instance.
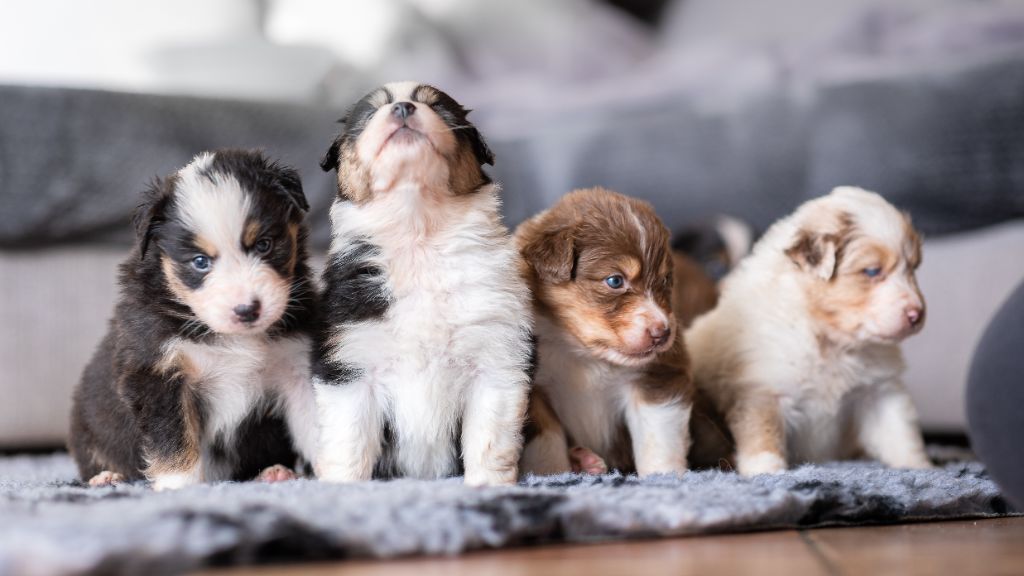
(717, 245)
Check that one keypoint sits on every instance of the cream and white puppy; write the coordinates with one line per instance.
(422, 366)
(800, 360)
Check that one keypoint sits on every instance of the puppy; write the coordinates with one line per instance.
(801, 357)
(426, 345)
(204, 372)
(612, 372)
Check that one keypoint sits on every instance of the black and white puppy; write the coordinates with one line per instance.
(427, 346)
(204, 372)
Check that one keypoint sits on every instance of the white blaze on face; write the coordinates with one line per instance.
(216, 211)
(645, 319)
(407, 149)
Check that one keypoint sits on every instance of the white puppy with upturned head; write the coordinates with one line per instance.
(800, 360)
(422, 363)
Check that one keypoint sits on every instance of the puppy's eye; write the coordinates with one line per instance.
(615, 282)
(202, 263)
(872, 272)
(263, 246)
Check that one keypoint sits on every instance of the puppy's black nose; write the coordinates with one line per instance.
(248, 313)
(403, 109)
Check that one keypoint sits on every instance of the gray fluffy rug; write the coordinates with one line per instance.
(53, 525)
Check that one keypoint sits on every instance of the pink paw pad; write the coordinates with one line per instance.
(277, 473)
(106, 478)
(585, 461)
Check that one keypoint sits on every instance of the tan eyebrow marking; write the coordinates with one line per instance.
(207, 247)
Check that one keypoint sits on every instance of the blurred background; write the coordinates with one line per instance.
(703, 107)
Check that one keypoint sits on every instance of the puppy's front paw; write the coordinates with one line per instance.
(916, 462)
(760, 463)
(585, 461)
(106, 478)
(174, 481)
(277, 473)
(338, 474)
(490, 478)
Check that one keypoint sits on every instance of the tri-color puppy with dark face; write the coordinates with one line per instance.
(423, 364)
(204, 372)
(612, 371)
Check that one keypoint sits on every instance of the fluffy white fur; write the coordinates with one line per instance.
(770, 367)
(591, 397)
(238, 373)
(453, 345)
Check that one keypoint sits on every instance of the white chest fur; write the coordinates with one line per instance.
(820, 408)
(458, 313)
(588, 395)
(235, 374)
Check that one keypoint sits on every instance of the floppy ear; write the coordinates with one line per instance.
(150, 215)
(330, 160)
(480, 148)
(815, 253)
(552, 255)
(291, 185)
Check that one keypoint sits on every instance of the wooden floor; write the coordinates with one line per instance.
(960, 548)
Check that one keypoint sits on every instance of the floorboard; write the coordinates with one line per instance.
(963, 547)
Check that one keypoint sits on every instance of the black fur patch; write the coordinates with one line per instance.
(353, 291)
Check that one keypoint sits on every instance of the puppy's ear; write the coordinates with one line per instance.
(151, 214)
(291, 185)
(330, 160)
(552, 255)
(815, 253)
(480, 148)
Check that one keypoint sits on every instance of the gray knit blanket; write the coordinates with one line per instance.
(52, 524)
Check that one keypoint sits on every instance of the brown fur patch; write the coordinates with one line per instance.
(174, 284)
(693, 292)
(913, 254)
(540, 417)
(756, 424)
(206, 246)
(668, 376)
(251, 234)
(463, 171)
(353, 177)
(293, 241)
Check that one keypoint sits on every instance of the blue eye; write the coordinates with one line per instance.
(614, 281)
(872, 272)
(201, 263)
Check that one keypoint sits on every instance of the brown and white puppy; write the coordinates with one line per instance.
(423, 364)
(801, 356)
(204, 372)
(612, 372)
